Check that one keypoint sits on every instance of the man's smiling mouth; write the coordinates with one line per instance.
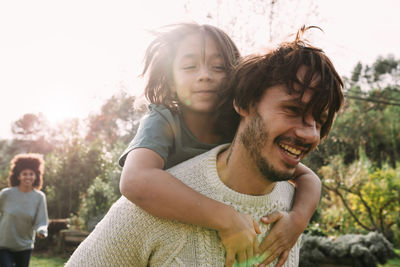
(291, 151)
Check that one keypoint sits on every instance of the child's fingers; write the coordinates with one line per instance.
(250, 254)
(268, 242)
(272, 252)
(255, 246)
(271, 218)
(275, 253)
(283, 258)
(276, 237)
(229, 258)
(256, 227)
(269, 256)
(242, 257)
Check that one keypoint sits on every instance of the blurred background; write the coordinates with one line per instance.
(70, 90)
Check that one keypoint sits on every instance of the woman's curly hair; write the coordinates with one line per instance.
(29, 161)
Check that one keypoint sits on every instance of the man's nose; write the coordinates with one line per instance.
(308, 130)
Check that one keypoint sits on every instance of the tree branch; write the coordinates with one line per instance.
(337, 192)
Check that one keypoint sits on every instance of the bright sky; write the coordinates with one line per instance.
(65, 57)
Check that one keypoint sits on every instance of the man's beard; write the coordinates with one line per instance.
(254, 138)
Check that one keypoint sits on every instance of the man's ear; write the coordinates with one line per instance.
(239, 110)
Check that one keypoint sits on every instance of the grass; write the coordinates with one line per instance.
(43, 260)
(393, 262)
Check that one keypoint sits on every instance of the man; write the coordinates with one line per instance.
(285, 102)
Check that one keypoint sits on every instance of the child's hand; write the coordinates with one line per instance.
(240, 238)
(281, 238)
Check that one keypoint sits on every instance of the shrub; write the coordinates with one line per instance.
(100, 196)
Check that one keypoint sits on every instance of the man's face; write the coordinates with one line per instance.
(278, 133)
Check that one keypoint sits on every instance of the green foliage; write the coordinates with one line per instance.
(314, 229)
(355, 76)
(361, 198)
(384, 65)
(98, 199)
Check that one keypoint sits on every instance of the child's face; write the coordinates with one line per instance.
(198, 73)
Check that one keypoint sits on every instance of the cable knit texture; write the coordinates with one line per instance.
(129, 236)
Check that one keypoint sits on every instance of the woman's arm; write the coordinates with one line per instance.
(145, 183)
(42, 220)
(289, 226)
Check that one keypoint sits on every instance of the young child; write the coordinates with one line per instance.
(187, 66)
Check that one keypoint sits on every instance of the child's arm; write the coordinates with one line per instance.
(289, 226)
(145, 183)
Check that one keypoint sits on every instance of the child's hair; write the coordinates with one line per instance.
(255, 74)
(22, 162)
(161, 52)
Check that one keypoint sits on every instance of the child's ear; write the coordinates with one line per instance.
(239, 110)
(172, 87)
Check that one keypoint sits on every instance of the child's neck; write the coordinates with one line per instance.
(201, 125)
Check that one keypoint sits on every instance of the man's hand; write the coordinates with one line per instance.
(281, 238)
(240, 239)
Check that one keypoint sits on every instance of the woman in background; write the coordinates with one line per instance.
(23, 211)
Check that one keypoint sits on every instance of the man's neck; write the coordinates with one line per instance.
(237, 170)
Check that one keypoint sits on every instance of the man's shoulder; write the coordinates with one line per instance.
(203, 160)
(286, 185)
(285, 190)
(194, 171)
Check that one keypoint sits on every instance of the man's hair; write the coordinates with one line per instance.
(29, 161)
(255, 74)
(160, 56)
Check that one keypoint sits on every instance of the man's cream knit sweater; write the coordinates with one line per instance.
(129, 236)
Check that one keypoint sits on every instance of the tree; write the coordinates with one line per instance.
(70, 169)
(355, 75)
(370, 196)
(117, 120)
(31, 134)
(29, 127)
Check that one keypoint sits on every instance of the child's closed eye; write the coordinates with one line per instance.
(188, 67)
(219, 68)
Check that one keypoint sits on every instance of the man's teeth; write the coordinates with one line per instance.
(290, 149)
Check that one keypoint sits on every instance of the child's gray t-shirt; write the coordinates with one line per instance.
(166, 134)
